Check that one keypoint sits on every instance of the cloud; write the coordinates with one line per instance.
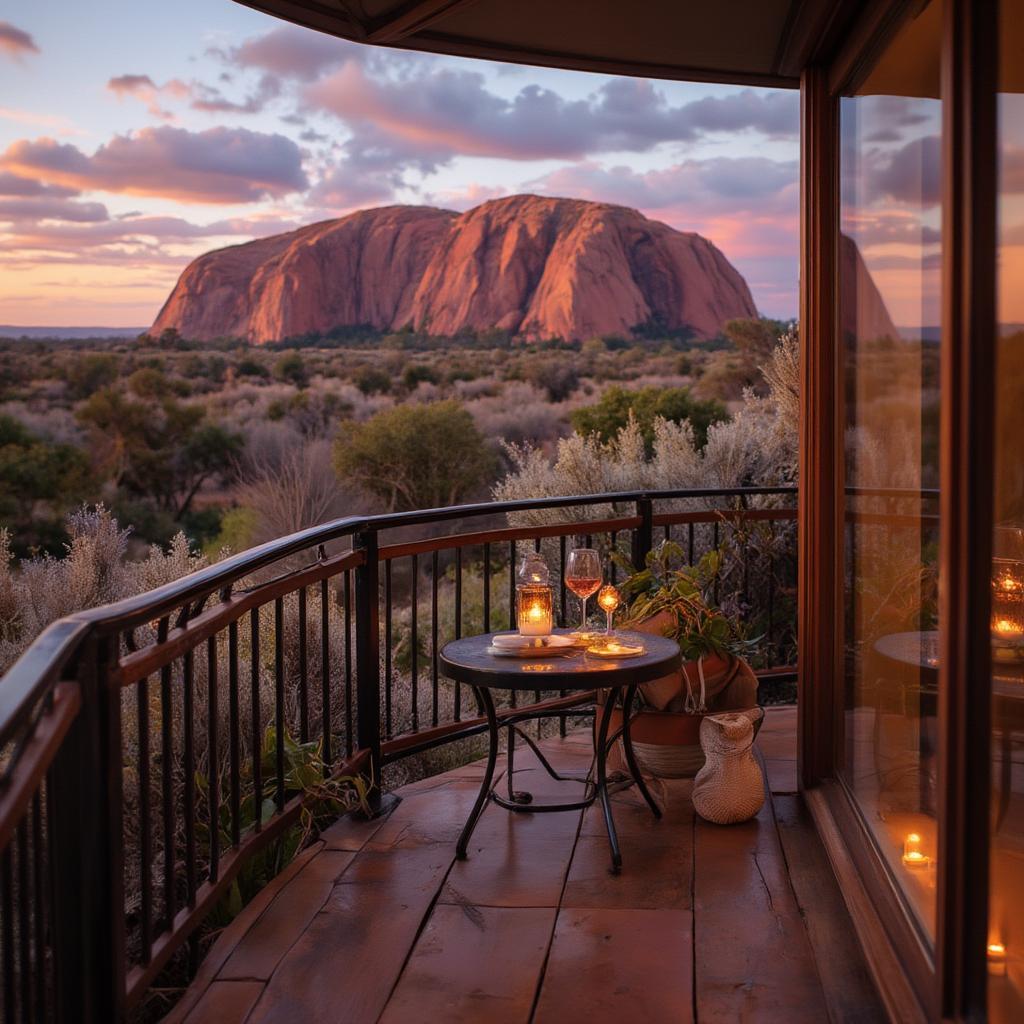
(219, 165)
(291, 52)
(15, 42)
(453, 111)
(12, 185)
(143, 88)
(211, 100)
(719, 184)
(206, 98)
(53, 122)
(33, 208)
(911, 174)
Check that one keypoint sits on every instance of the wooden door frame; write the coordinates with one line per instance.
(967, 474)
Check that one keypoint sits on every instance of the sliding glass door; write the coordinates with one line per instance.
(889, 313)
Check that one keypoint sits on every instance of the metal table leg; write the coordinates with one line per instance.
(602, 779)
(627, 746)
(484, 696)
(597, 790)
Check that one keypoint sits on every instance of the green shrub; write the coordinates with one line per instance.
(416, 456)
(608, 417)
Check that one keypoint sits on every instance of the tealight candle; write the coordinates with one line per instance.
(996, 958)
(912, 855)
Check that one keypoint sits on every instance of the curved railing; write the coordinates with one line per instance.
(157, 750)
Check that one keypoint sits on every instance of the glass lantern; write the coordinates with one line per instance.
(1007, 591)
(534, 600)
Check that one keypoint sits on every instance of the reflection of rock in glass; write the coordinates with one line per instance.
(862, 309)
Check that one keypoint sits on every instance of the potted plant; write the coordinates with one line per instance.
(673, 599)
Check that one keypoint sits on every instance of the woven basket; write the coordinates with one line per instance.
(666, 743)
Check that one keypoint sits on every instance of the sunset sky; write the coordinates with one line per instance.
(135, 136)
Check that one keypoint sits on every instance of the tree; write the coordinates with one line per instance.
(416, 456)
(612, 412)
(35, 473)
(160, 450)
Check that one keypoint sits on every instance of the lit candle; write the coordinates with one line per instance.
(534, 610)
(912, 854)
(1006, 629)
(996, 958)
(609, 599)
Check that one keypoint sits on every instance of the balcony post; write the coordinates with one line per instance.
(643, 535)
(87, 877)
(368, 666)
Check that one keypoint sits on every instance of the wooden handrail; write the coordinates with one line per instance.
(189, 615)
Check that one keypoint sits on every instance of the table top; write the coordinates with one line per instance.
(467, 661)
(920, 649)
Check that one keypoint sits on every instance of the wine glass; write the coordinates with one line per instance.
(583, 577)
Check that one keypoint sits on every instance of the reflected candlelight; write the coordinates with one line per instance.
(913, 857)
(996, 958)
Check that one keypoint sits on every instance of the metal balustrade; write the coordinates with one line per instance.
(155, 748)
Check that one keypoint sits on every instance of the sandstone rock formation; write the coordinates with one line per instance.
(536, 267)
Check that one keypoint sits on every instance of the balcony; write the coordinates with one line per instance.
(278, 677)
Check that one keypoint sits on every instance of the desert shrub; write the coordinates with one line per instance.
(617, 405)
(419, 373)
(290, 490)
(519, 414)
(372, 381)
(89, 373)
(252, 368)
(557, 377)
(291, 368)
(415, 456)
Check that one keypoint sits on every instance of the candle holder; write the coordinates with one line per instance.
(534, 600)
(609, 599)
(1007, 607)
(913, 857)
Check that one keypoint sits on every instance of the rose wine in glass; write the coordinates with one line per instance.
(583, 577)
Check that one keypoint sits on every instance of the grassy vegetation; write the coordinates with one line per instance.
(174, 436)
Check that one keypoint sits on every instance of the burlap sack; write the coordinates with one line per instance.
(730, 786)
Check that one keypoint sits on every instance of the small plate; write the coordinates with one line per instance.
(617, 650)
(549, 647)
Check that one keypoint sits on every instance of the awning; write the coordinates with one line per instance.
(754, 42)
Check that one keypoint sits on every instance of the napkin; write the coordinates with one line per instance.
(514, 641)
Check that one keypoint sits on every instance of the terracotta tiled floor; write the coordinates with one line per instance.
(379, 922)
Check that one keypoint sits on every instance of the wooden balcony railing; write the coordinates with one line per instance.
(155, 748)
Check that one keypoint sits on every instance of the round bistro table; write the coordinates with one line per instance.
(469, 661)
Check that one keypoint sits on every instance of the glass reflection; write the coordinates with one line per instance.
(889, 265)
(1006, 908)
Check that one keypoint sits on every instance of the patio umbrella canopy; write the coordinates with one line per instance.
(756, 42)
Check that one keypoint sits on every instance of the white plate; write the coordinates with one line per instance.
(553, 646)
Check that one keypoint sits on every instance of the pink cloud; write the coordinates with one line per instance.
(454, 110)
(220, 165)
(15, 42)
(32, 208)
(292, 52)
